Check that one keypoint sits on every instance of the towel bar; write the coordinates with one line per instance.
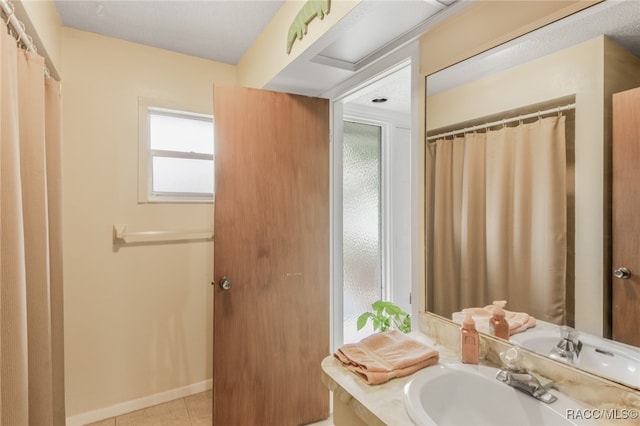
(122, 236)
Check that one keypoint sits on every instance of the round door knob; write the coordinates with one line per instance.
(622, 273)
(225, 283)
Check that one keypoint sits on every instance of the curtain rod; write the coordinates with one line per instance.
(18, 26)
(557, 110)
(9, 10)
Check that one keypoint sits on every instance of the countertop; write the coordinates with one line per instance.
(376, 404)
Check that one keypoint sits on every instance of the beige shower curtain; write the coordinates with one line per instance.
(31, 340)
(496, 220)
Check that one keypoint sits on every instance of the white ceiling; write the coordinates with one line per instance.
(221, 31)
(396, 88)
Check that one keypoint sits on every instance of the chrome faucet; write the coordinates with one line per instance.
(569, 347)
(519, 378)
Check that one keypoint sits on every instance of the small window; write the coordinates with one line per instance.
(176, 156)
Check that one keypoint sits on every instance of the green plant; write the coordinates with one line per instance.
(384, 316)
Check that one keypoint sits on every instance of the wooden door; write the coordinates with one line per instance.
(626, 216)
(271, 328)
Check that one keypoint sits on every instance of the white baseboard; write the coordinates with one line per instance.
(138, 404)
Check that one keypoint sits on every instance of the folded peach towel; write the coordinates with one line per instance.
(518, 321)
(383, 356)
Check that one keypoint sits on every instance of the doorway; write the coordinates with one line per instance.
(374, 195)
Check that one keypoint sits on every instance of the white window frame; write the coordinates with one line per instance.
(386, 126)
(146, 154)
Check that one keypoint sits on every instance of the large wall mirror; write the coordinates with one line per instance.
(518, 186)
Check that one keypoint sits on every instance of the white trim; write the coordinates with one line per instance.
(180, 154)
(336, 264)
(386, 207)
(138, 404)
(394, 118)
(144, 177)
(417, 188)
(179, 113)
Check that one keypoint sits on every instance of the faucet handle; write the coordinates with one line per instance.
(569, 346)
(511, 359)
(568, 333)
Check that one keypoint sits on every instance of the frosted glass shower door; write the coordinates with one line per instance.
(362, 254)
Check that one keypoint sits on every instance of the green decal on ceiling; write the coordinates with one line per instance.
(310, 10)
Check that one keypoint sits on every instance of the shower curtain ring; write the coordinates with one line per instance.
(32, 45)
(20, 31)
(13, 12)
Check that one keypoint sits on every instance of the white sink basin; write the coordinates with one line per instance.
(602, 357)
(460, 394)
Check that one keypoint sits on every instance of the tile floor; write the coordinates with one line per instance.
(194, 410)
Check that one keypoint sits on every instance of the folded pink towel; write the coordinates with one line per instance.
(518, 321)
(383, 356)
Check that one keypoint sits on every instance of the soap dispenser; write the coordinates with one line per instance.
(498, 325)
(469, 339)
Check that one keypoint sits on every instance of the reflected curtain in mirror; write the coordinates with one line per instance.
(497, 220)
(31, 316)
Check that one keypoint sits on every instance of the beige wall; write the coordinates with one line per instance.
(579, 70)
(138, 319)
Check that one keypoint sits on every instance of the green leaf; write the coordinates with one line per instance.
(386, 324)
(362, 320)
(378, 304)
(393, 309)
(376, 323)
(379, 307)
(406, 324)
(384, 315)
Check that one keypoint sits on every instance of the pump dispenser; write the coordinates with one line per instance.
(498, 325)
(469, 339)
